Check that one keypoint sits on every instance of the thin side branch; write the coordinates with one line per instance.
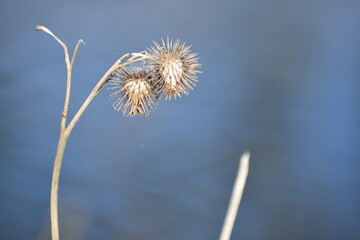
(68, 75)
(140, 54)
(42, 28)
(236, 197)
(75, 52)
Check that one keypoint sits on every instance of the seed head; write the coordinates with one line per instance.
(134, 91)
(174, 67)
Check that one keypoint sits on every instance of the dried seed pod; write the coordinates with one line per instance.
(134, 91)
(175, 68)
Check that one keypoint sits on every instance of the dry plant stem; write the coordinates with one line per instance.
(235, 197)
(55, 186)
(66, 130)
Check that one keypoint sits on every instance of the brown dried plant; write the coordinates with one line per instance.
(170, 69)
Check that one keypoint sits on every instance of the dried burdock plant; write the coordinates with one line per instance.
(170, 69)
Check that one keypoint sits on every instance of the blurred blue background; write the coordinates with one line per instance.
(281, 78)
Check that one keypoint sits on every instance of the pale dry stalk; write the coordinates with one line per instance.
(236, 196)
(66, 130)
